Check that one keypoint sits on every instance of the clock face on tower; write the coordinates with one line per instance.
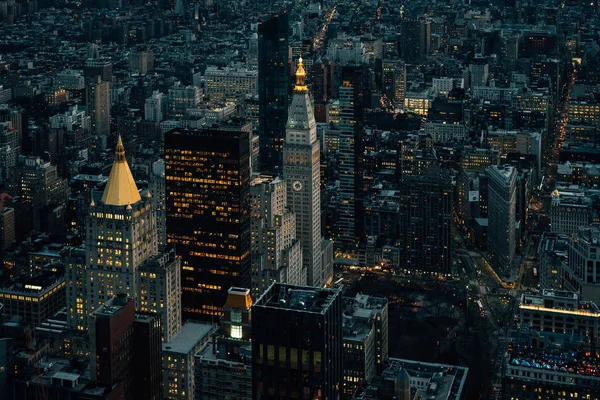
(297, 186)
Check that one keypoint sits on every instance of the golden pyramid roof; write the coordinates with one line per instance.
(120, 189)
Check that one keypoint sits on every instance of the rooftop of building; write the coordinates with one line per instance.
(504, 172)
(559, 356)
(112, 307)
(298, 298)
(189, 336)
(238, 298)
(355, 330)
(37, 285)
(364, 306)
(444, 381)
(58, 371)
(559, 301)
(554, 244)
(120, 189)
(589, 234)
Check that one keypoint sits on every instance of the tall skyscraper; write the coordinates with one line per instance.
(158, 284)
(208, 212)
(157, 190)
(297, 343)
(273, 87)
(502, 195)
(155, 107)
(121, 235)
(301, 171)
(415, 39)
(426, 234)
(350, 225)
(98, 106)
(252, 58)
(9, 152)
(394, 80)
(276, 251)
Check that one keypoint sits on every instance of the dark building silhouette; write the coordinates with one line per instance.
(415, 39)
(147, 347)
(207, 207)
(126, 350)
(273, 89)
(353, 100)
(297, 343)
(426, 237)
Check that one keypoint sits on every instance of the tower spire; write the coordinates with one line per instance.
(120, 150)
(300, 76)
(120, 189)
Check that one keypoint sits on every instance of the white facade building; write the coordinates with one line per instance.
(75, 117)
(155, 108)
(301, 171)
(231, 81)
(276, 253)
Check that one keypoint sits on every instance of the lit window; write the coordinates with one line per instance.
(236, 331)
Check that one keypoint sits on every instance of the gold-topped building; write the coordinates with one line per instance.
(121, 189)
(121, 235)
(300, 76)
(301, 172)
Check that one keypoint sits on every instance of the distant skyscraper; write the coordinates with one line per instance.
(182, 98)
(350, 226)
(273, 86)
(157, 189)
(208, 213)
(252, 61)
(98, 106)
(297, 343)
(94, 66)
(301, 170)
(394, 80)
(502, 195)
(158, 282)
(478, 71)
(42, 187)
(155, 107)
(9, 152)
(276, 252)
(415, 39)
(426, 234)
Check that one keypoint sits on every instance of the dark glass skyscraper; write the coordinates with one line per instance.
(352, 99)
(208, 213)
(426, 227)
(273, 89)
(297, 343)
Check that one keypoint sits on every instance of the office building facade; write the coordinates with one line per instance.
(276, 251)
(273, 88)
(350, 226)
(208, 213)
(98, 106)
(426, 222)
(297, 343)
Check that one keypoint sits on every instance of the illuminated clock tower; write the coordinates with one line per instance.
(301, 171)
